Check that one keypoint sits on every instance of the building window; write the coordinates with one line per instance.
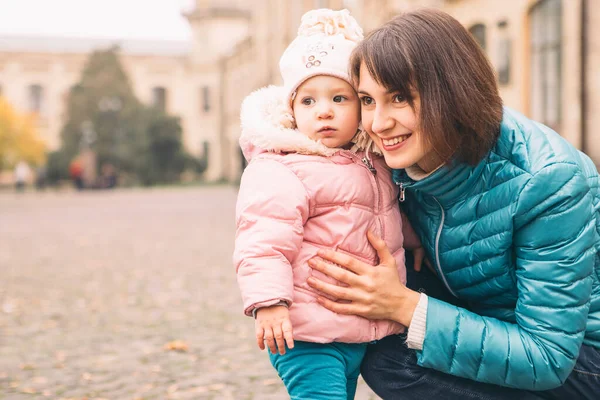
(545, 67)
(504, 47)
(159, 98)
(478, 32)
(206, 98)
(36, 98)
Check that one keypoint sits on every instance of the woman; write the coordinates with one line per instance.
(508, 213)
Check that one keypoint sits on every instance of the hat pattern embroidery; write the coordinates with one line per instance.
(315, 53)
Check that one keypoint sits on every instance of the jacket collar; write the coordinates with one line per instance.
(456, 181)
(449, 184)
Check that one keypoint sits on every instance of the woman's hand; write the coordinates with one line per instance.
(373, 292)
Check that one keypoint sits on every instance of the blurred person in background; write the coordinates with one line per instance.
(508, 212)
(21, 174)
(76, 173)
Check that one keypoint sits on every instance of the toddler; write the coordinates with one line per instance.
(313, 182)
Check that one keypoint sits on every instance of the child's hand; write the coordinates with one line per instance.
(419, 256)
(273, 325)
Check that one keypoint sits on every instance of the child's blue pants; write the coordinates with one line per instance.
(318, 371)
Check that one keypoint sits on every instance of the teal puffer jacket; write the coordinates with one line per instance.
(518, 238)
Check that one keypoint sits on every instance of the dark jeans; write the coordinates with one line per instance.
(390, 368)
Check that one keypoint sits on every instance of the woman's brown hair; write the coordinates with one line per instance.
(430, 52)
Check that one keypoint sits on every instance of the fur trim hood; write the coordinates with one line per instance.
(267, 125)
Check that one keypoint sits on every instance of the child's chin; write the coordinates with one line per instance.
(332, 143)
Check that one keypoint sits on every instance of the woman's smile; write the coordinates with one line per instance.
(395, 143)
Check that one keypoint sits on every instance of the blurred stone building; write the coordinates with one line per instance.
(546, 54)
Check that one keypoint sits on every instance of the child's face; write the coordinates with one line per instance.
(393, 125)
(326, 109)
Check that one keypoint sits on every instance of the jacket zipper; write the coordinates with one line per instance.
(401, 198)
(437, 249)
(373, 171)
(401, 195)
(371, 168)
(366, 161)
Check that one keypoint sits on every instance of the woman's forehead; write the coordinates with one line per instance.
(368, 84)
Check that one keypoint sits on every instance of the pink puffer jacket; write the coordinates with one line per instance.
(296, 197)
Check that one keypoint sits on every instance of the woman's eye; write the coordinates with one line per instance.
(308, 101)
(399, 98)
(339, 99)
(366, 100)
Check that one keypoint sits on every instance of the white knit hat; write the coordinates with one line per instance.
(323, 46)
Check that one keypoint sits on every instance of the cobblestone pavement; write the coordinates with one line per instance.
(94, 285)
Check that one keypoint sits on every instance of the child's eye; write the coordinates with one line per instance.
(339, 99)
(308, 101)
(366, 100)
(399, 98)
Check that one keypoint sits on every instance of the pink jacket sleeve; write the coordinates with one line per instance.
(411, 240)
(271, 211)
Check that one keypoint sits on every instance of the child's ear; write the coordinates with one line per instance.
(287, 119)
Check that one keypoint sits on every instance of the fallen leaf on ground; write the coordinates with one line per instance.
(176, 345)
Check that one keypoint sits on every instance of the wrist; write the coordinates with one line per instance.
(279, 303)
(407, 304)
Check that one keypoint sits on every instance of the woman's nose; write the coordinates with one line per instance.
(381, 121)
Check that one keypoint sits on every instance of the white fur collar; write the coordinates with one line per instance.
(268, 125)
